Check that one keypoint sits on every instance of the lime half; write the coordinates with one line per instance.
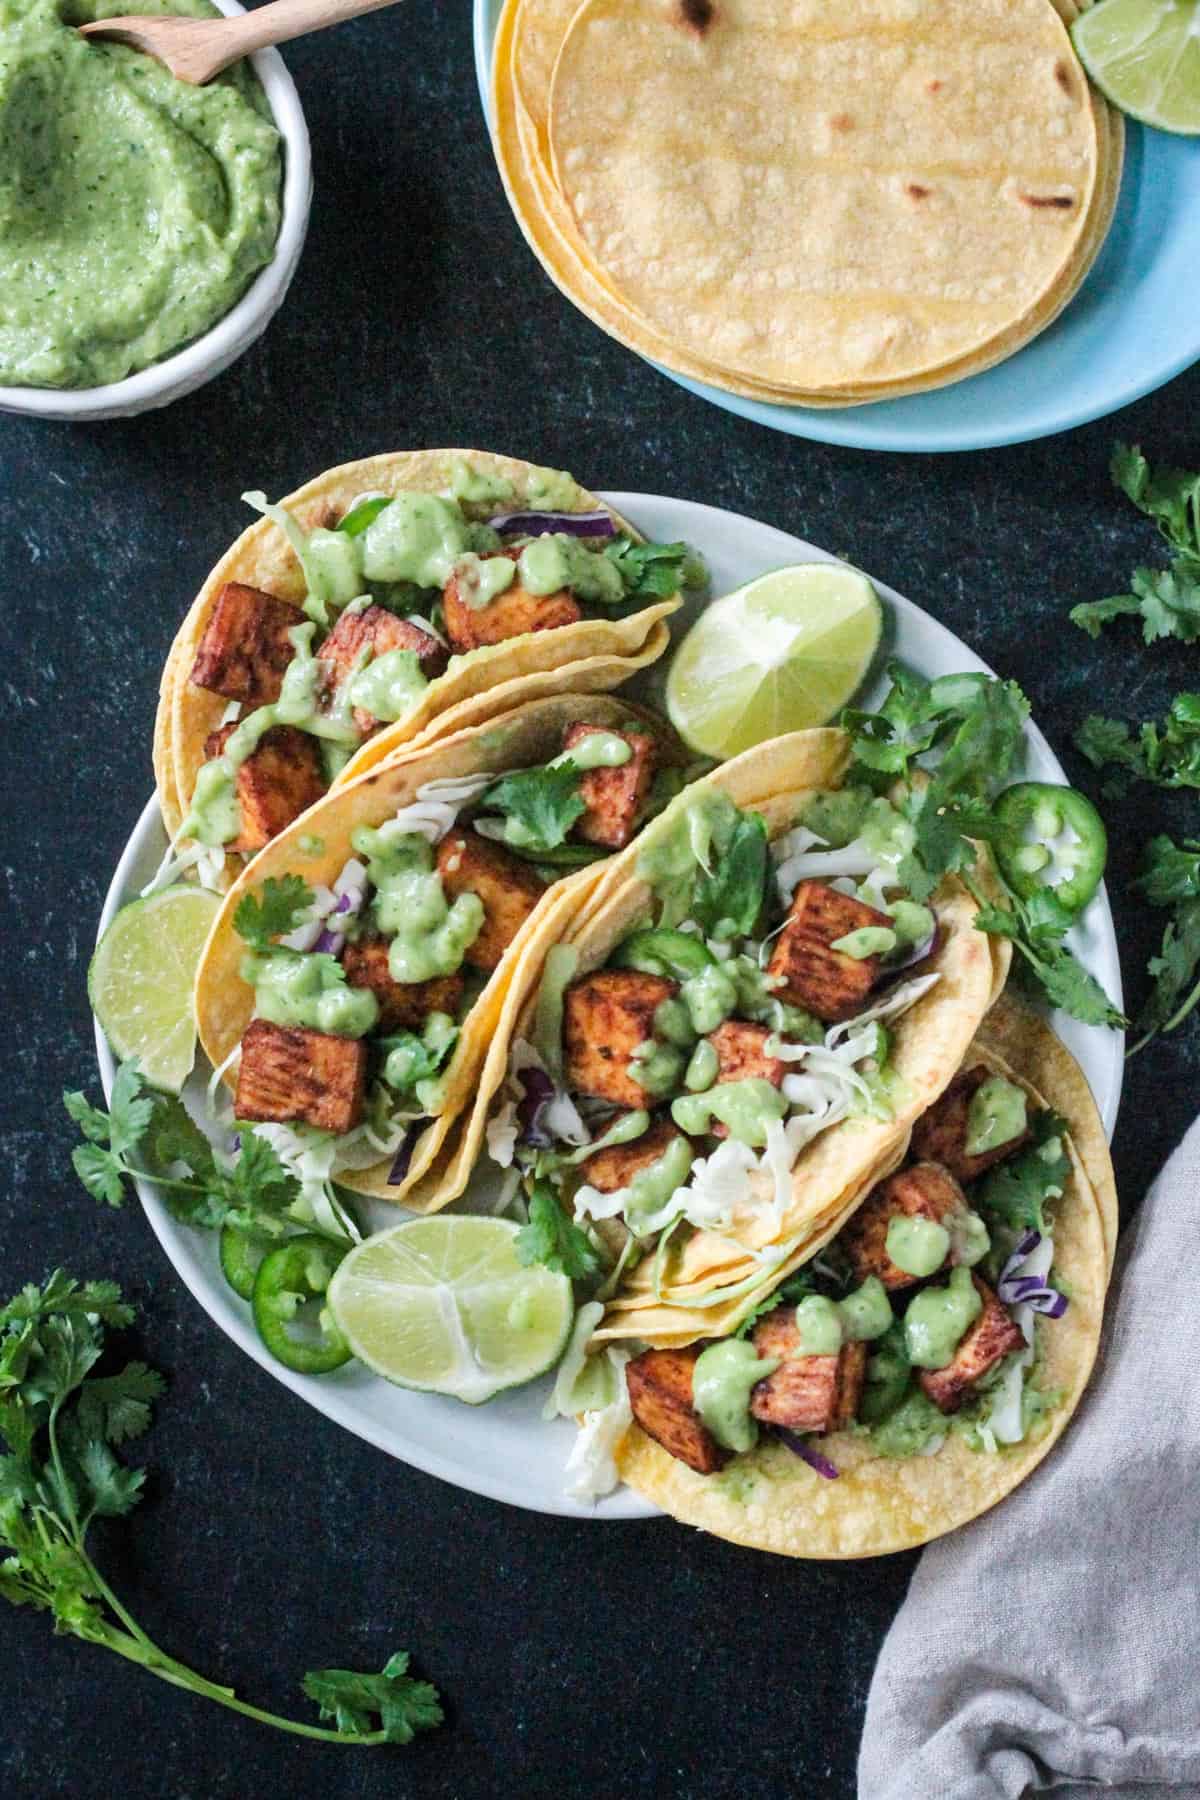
(443, 1304)
(140, 981)
(1144, 56)
(784, 653)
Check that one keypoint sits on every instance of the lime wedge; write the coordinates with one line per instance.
(1144, 56)
(784, 653)
(443, 1304)
(140, 981)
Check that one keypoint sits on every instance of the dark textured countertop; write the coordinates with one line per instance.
(622, 1660)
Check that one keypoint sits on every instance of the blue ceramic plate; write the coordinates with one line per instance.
(1133, 324)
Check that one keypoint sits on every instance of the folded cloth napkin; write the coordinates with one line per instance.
(1055, 1643)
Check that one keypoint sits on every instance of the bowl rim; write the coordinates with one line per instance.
(234, 332)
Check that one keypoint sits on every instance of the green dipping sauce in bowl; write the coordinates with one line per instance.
(135, 209)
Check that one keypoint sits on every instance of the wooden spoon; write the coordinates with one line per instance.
(197, 49)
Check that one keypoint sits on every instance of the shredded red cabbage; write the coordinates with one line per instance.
(330, 943)
(1015, 1289)
(538, 1093)
(588, 524)
(803, 1449)
(404, 1154)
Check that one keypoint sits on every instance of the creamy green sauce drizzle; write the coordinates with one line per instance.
(722, 1380)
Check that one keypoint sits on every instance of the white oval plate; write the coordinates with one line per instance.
(505, 1450)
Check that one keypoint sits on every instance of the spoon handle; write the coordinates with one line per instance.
(284, 19)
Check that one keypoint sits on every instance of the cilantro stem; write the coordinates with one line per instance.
(1172, 1023)
(147, 1656)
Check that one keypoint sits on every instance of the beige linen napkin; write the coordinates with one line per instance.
(1055, 1643)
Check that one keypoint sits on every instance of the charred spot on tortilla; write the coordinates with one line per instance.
(696, 15)
(915, 191)
(935, 86)
(841, 122)
(1059, 200)
(1063, 77)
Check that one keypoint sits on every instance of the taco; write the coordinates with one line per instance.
(737, 1029)
(388, 601)
(353, 978)
(923, 1361)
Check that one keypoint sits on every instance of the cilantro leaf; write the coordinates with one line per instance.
(275, 911)
(90, 1119)
(113, 1489)
(552, 1237)
(1037, 927)
(977, 721)
(1171, 497)
(1015, 1192)
(404, 1706)
(544, 803)
(1168, 600)
(1093, 615)
(1167, 754)
(1175, 972)
(1170, 871)
(651, 571)
(727, 900)
(102, 1173)
(115, 1408)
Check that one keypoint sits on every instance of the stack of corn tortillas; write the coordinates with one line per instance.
(804, 207)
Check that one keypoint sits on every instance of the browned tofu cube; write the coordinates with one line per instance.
(278, 781)
(614, 798)
(806, 1393)
(605, 1017)
(245, 648)
(610, 1170)
(509, 615)
(924, 1190)
(508, 888)
(992, 1336)
(289, 1075)
(742, 1056)
(827, 982)
(941, 1133)
(403, 1005)
(660, 1393)
(377, 630)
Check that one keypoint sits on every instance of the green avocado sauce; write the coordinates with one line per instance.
(389, 686)
(562, 961)
(418, 538)
(658, 1068)
(598, 750)
(866, 1312)
(294, 987)
(721, 1382)
(938, 1319)
(819, 1324)
(868, 940)
(482, 579)
(746, 1107)
(916, 1245)
(557, 560)
(476, 487)
(653, 1185)
(135, 209)
(429, 937)
(997, 1114)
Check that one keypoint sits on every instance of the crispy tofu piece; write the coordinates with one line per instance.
(992, 1336)
(245, 648)
(806, 1393)
(605, 1017)
(614, 797)
(378, 630)
(742, 1056)
(941, 1133)
(278, 781)
(924, 1190)
(403, 1005)
(509, 615)
(290, 1075)
(610, 1170)
(660, 1393)
(508, 888)
(827, 982)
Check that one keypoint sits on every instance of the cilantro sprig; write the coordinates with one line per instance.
(61, 1426)
(552, 1237)
(543, 803)
(1166, 600)
(1015, 1193)
(277, 909)
(151, 1135)
(970, 727)
(653, 571)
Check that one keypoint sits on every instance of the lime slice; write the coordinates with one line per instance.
(140, 981)
(1144, 56)
(783, 653)
(443, 1304)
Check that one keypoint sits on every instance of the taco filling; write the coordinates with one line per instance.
(361, 988)
(921, 1317)
(672, 1088)
(398, 591)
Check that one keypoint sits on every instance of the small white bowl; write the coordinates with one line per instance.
(223, 342)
